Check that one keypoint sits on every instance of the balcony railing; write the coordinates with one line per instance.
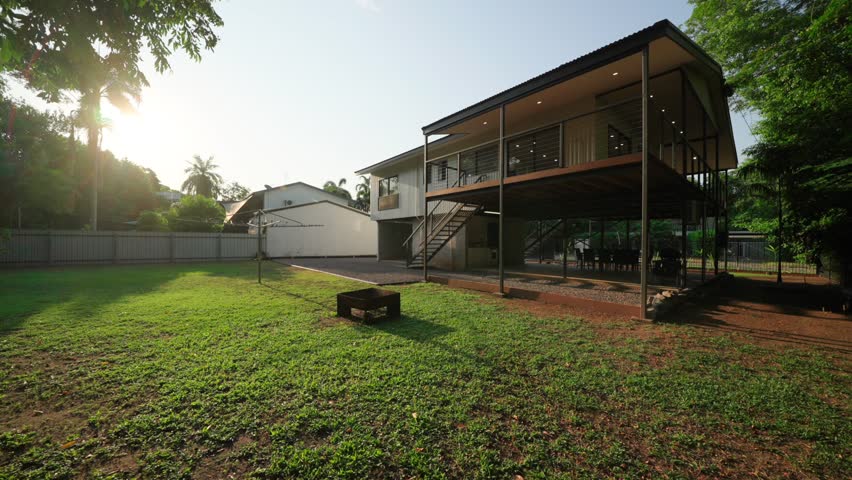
(607, 132)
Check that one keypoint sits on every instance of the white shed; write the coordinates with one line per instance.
(320, 229)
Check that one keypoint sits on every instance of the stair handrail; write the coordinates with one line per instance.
(420, 225)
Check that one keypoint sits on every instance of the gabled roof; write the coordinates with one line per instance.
(355, 210)
(291, 185)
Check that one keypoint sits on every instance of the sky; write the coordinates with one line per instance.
(313, 90)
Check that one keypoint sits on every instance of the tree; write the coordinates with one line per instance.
(45, 186)
(362, 194)
(202, 179)
(151, 221)
(337, 189)
(196, 213)
(789, 62)
(94, 48)
(234, 191)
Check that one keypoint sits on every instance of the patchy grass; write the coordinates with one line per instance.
(197, 371)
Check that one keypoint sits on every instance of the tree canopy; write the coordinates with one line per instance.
(337, 189)
(202, 178)
(789, 62)
(196, 213)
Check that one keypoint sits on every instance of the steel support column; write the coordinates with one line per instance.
(726, 219)
(704, 196)
(716, 207)
(501, 172)
(643, 282)
(564, 247)
(685, 204)
(425, 230)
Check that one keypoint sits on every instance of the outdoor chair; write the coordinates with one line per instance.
(579, 254)
(590, 257)
(605, 259)
(669, 263)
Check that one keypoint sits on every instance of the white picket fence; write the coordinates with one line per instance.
(71, 247)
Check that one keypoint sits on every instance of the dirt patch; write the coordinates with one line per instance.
(328, 322)
(772, 315)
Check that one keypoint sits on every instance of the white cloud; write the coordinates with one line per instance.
(370, 5)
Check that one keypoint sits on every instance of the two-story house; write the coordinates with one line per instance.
(637, 130)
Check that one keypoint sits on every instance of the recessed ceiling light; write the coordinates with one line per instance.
(531, 151)
(695, 158)
(672, 122)
(485, 123)
(517, 146)
(652, 96)
(612, 136)
(663, 110)
(538, 102)
(614, 74)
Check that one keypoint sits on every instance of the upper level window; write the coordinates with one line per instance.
(389, 193)
(388, 186)
(533, 152)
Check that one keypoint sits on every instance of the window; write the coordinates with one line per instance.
(534, 152)
(389, 193)
(617, 142)
(388, 186)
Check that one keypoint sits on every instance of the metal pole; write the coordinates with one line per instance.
(778, 251)
(716, 208)
(540, 252)
(685, 204)
(643, 278)
(500, 174)
(425, 229)
(726, 220)
(564, 248)
(259, 247)
(704, 200)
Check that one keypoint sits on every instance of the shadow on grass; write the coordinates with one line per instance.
(82, 291)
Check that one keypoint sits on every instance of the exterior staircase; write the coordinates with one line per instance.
(533, 239)
(441, 228)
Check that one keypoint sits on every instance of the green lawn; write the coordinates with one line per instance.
(197, 371)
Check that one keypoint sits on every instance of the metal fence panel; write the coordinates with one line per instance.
(71, 247)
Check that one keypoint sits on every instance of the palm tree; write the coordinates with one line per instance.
(202, 179)
(362, 194)
(103, 78)
(337, 188)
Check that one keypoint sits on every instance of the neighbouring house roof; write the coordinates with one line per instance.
(293, 184)
(317, 203)
(251, 201)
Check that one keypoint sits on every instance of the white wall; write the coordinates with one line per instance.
(298, 194)
(344, 232)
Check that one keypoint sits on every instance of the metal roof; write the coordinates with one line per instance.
(606, 54)
(620, 48)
